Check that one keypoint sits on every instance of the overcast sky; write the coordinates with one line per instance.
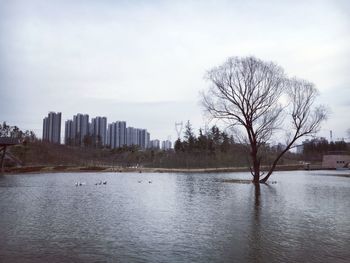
(144, 61)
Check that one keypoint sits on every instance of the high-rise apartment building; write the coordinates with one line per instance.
(77, 129)
(81, 125)
(98, 130)
(148, 138)
(143, 138)
(154, 144)
(131, 136)
(116, 134)
(166, 145)
(69, 132)
(52, 127)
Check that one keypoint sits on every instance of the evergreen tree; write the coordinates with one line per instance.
(178, 146)
(189, 137)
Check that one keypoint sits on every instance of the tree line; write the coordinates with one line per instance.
(209, 142)
(15, 132)
(213, 148)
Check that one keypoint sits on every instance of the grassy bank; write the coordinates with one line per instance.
(68, 169)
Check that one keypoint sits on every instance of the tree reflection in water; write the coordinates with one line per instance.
(255, 237)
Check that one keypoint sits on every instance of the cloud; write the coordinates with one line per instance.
(65, 55)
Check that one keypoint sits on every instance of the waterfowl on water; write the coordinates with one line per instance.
(100, 183)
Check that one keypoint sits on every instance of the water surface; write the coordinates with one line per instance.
(304, 217)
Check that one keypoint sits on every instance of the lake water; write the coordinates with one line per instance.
(304, 217)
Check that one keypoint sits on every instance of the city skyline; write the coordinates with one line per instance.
(115, 134)
(145, 61)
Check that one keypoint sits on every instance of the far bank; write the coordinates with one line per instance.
(69, 169)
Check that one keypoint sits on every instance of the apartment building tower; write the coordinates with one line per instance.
(98, 130)
(68, 132)
(154, 144)
(131, 136)
(143, 138)
(166, 145)
(116, 134)
(52, 127)
(77, 129)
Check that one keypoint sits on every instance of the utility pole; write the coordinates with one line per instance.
(178, 128)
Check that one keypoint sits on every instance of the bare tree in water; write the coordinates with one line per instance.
(249, 92)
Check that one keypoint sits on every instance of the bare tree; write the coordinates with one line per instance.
(248, 92)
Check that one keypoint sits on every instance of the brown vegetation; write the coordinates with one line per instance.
(41, 156)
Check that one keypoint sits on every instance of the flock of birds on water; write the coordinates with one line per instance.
(139, 181)
(103, 183)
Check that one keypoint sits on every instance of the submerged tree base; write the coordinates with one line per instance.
(237, 181)
(243, 181)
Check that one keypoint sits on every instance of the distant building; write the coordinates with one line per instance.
(299, 149)
(98, 130)
(68, 132)
(52, 128)
(148, 137)
(81, 124)
(166, 145)
(77, 129)
(116, 134)
(131, 136)
(332, 161)
(154, 144)
(278, 147)
(143, 138)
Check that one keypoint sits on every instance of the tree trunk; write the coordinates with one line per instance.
(256, 166)
(257, 197)
(274, 164)
(256, 179)
(273, 167)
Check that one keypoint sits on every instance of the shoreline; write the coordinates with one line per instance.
(104, 169)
